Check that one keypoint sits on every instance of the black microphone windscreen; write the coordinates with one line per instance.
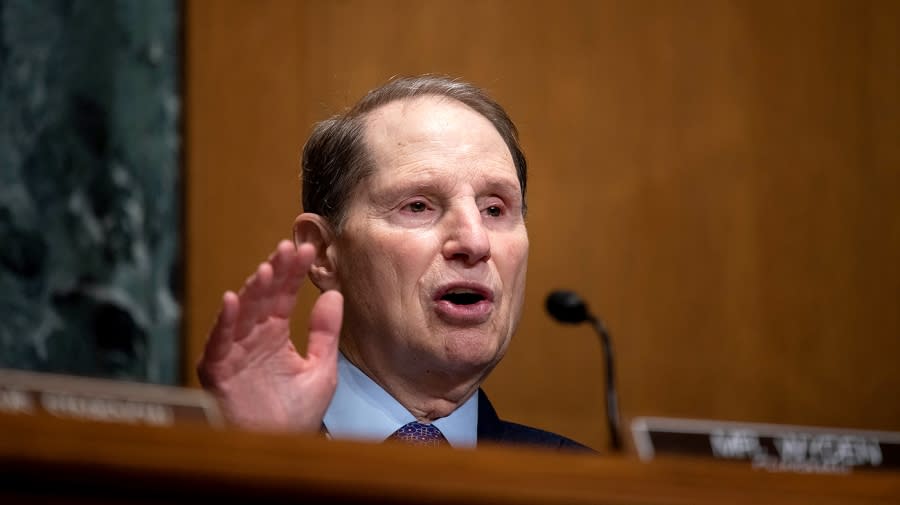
(567, 307)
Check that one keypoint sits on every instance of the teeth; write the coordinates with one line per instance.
(461, 291)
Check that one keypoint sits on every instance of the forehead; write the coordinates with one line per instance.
(434, 133)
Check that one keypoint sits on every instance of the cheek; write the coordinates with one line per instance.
(368, 282)
(514, 263)
(386, 266)
(368, 270)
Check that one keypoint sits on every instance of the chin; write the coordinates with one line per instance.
(473, 358)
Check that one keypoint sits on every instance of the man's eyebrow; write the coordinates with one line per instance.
(504, 186)
(408, 187)
(423, 183)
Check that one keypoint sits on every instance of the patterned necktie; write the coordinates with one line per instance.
(416, 433)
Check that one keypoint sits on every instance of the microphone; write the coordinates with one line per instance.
(569, 308)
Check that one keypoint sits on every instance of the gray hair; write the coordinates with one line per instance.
(335, 158)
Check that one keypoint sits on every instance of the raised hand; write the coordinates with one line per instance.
(249, 362)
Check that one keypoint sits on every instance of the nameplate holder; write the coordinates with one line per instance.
(772, 447)
(102, 400)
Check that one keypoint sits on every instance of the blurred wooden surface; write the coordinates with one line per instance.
(719, 180)
(49, 461)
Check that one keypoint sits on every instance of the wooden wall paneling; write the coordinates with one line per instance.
(717, 179)
(242, 135)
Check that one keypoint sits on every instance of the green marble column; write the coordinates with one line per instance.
(90, 197)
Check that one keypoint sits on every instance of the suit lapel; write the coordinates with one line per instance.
(490, 427)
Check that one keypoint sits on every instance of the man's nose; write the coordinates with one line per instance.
(467, 238)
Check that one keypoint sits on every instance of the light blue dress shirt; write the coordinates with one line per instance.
(362, 410)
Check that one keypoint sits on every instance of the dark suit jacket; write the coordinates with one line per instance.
(493, 429)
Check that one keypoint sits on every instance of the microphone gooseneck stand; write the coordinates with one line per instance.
(567, 307)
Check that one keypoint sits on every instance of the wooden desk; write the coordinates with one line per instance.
(52, 461)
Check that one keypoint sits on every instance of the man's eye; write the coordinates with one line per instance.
(494, 211)
(417, 207)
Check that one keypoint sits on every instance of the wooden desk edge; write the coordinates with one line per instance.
(106, 461)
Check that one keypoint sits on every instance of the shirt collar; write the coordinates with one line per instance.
(361, 410)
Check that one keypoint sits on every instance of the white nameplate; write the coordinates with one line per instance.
(103, 400)
(773, 447)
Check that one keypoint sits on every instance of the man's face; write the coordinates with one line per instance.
(432, 255)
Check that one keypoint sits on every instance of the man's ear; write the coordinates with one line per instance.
(314, 229)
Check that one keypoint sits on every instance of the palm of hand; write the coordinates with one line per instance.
(250, 363)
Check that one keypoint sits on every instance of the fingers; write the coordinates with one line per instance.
(325, 326)
(290, 267)
(272, 290)
(255, 301)
(222, 334)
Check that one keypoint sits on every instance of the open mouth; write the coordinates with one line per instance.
(463, 297)
(464, 304)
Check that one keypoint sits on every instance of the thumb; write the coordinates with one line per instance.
(325, 326)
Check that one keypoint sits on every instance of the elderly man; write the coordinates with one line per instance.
(414, 231)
